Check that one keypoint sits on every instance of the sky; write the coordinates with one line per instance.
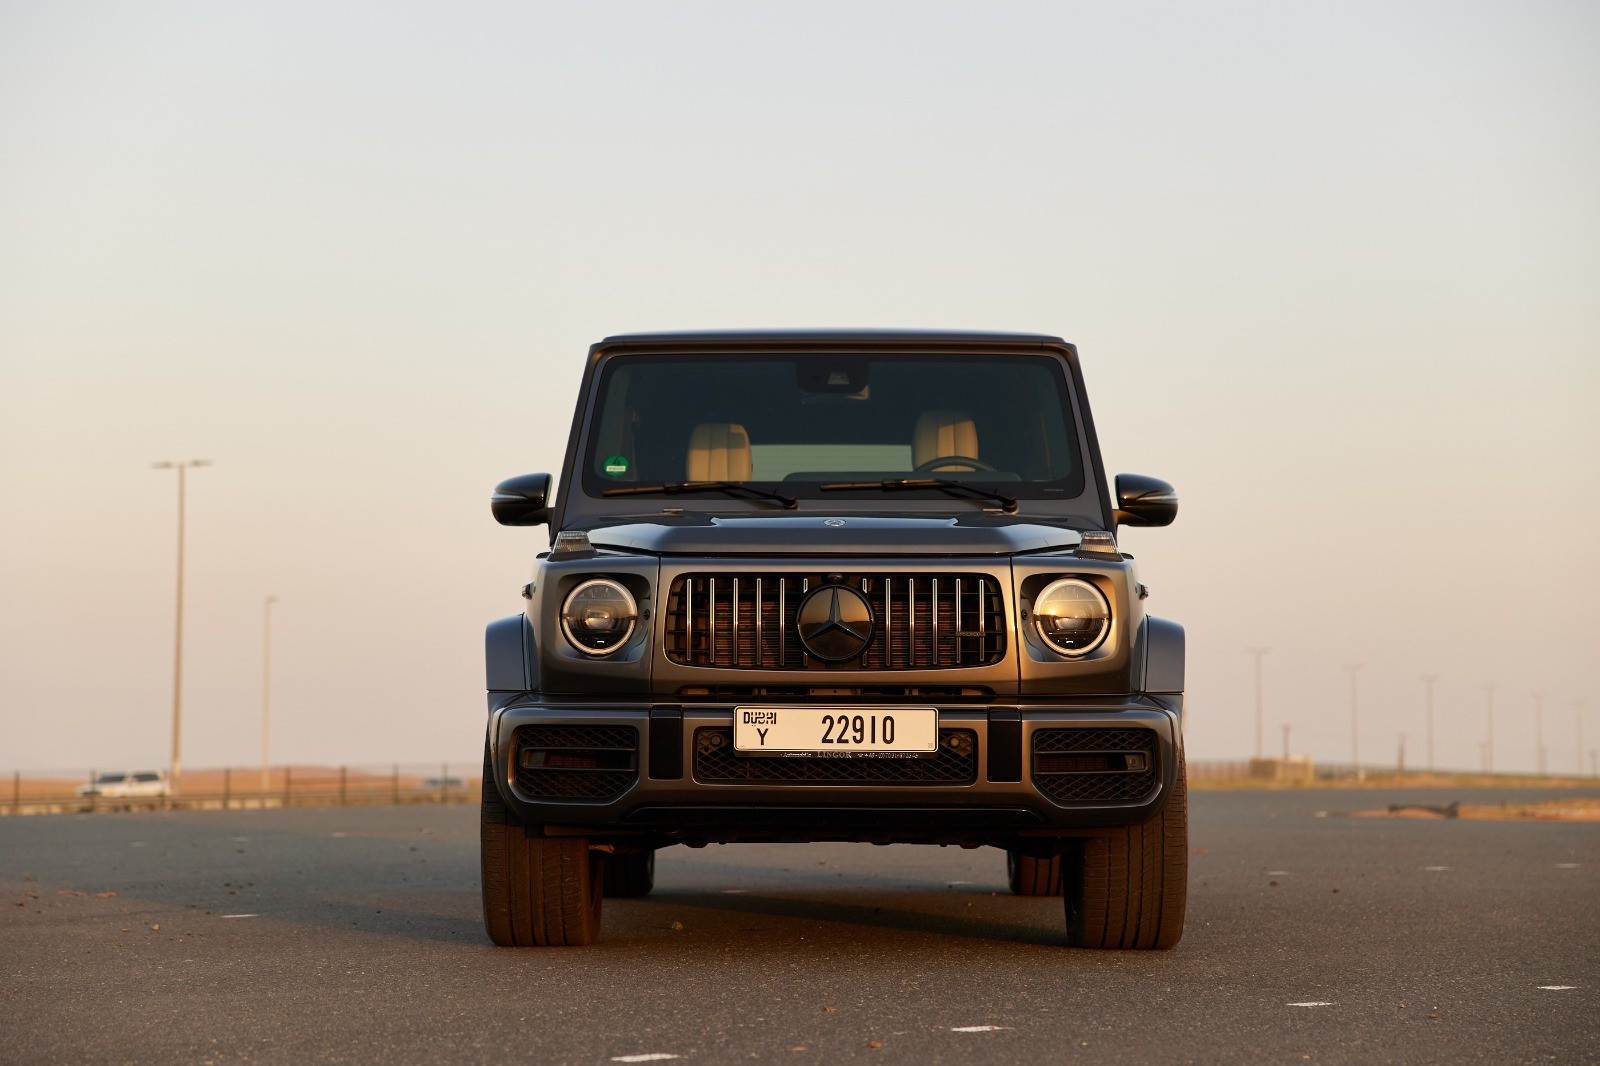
(1333, 270)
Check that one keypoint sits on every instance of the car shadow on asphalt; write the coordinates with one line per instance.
(877, 916)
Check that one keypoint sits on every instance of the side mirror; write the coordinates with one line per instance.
(522, 501)
(1145, 501)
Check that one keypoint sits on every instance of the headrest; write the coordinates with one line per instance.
(942, 433)
(719, 451)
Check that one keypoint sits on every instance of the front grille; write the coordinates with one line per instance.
(575, 762)
(716, 763)
(922, 622)
(1075, 765)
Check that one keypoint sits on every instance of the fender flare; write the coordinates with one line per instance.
(1164, 656)
(510, 657)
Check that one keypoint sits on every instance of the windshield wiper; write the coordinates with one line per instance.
(952, 488)
(676, 488)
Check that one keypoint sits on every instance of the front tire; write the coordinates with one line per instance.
(1029, 876)
(1130, 889)
(537, 891)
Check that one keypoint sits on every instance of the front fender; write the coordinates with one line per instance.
(511, 661)
(1164, 656)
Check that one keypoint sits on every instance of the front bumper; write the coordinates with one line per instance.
(668, 801)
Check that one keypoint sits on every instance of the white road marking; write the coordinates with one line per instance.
(1557, 988)
(1566, 866)
(977, 1028)
(240, 916)
(648, 1056)
(953, 884)
(337, 834)
(1279, 873)
(1436, 869)
(1312, 1003)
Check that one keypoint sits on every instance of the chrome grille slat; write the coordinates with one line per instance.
(928, 625)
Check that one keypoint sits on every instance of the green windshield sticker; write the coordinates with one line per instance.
(617, 465)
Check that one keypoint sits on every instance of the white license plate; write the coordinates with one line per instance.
(836, 731)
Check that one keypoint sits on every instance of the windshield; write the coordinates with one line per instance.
(799, 421)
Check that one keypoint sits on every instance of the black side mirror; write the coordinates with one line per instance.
(522, 501)
(1145, 501)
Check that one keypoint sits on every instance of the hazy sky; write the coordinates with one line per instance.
(1334, 270)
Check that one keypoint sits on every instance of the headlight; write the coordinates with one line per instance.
(1072, 617)
(599, 616)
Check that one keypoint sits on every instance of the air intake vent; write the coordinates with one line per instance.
(921, 622)
(1094, 765)
(575, 762)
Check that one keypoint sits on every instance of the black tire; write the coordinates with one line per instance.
(631, 874)
(537, 891)
(1129, 889)
(1033, 877)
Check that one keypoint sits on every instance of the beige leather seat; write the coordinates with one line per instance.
(719, 451)
(942, 433)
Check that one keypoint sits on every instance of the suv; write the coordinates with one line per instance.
(141, 784)
(834, 585)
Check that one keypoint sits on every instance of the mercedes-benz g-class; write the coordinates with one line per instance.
(837, 585)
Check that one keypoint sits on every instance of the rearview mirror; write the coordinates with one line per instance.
(1145, 501)
(522, 501)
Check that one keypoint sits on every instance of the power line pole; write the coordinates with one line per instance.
(1258, 653)
(1427, 681)
(1488, 735)
(266, 685)
(175, 772)
(1400, 762)
(1286, 742)
(1355, 746)
(1538, 728)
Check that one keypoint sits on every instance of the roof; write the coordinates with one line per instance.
(831, 336)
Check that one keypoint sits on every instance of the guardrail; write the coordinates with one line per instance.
(235, 789)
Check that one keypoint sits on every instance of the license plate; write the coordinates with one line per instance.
(836, 731)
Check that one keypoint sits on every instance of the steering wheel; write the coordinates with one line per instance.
(940, 461)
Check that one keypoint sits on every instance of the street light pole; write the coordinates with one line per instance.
(175, 773)
(1355, 746)
(266, 684)
(1577, 726)
(1488, 736)
(1428, 680)
(1258, 653)
(1538, 728)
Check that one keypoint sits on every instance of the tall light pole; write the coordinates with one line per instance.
(1577, 726)
(1428, 680)
(176, 771)
(1355, 746)
(1538, 728)
(1258, 653)
(266, 684)
(1488, 734)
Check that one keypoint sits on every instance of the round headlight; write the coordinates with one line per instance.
(599, 616)
(1072, 617)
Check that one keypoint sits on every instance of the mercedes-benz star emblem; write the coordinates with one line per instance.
(835, 623)
(833, 523)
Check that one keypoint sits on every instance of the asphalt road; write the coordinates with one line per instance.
(354, 934)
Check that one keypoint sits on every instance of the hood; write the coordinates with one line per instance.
(824, 534)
